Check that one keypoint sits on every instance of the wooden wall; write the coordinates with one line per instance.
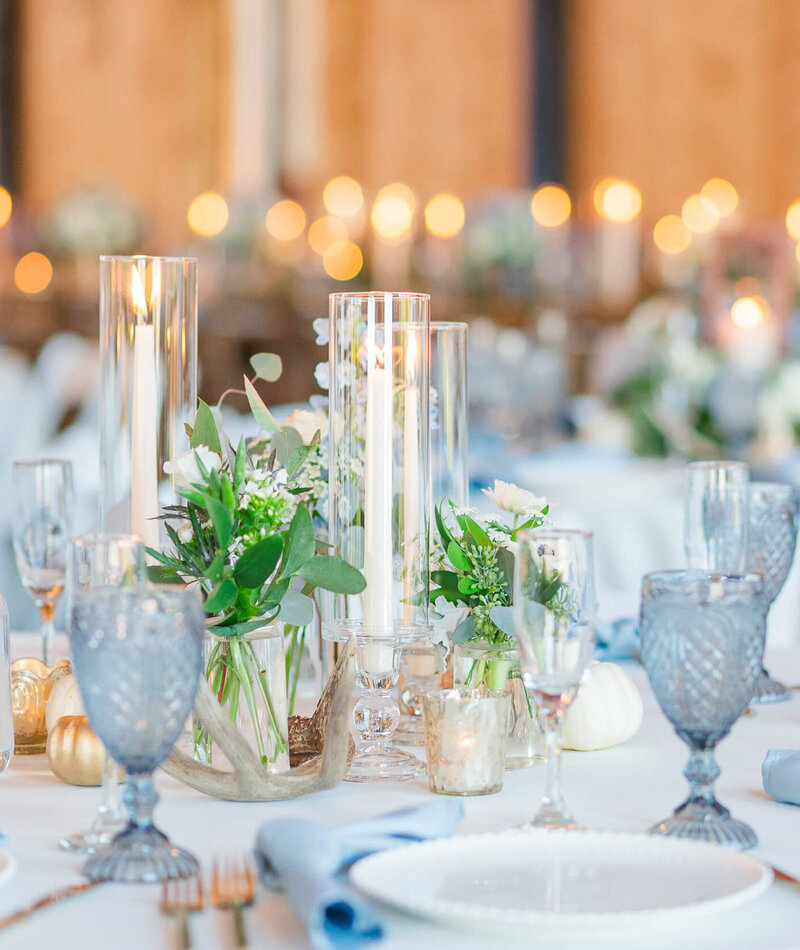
(669, 93)
(128, 95)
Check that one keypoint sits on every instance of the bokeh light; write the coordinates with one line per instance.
(343, 196)
(617, 200)
(393, 212)
(444, 215)
(286, 220)
(550, 206)
(326, 231)
(5, 206)
(208, 214)
(670, 234)
(33, 273)
(700, 214)
(722, 194)
(793, 220)
(343, 260)
(749, 312)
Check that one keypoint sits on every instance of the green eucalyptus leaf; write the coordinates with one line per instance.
(262, 415)
(477, 532)
(258, 562)
(267, 366)
(239, 464)
(300, 543)
(334, 574)
(457, 557)
(275, 593)
(205, 429)
(297, 610)
(503, 619)
(446, 579)
(466, 585)
(465, 630)
(291, 441)
(223, 597)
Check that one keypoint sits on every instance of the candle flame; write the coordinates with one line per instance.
(137, 296)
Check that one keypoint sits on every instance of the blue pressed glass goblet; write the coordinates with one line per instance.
(138, 655)
(771, 542)
(702, 644)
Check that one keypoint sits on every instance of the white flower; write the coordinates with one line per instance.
(186, 471)
(465, 511)
(510, 497)
(322, 327)
(307, 422)
(322, 374)
(185, 531)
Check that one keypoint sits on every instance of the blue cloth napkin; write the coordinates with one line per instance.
(304, 860)
(781, 775)
(618, 640)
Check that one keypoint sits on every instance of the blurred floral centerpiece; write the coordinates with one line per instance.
(244, 535)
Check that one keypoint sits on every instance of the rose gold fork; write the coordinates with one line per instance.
(232, 889)
(182, 896)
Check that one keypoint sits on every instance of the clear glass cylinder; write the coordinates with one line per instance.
(248, 676)
(379, 471)
(448, 409)
(148, 385)
(6, 711)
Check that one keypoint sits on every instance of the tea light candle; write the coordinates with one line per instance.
(465, 740)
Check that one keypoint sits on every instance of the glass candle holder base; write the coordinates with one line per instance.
(769, 690)
(411, 730)
(710, 822)
(379, 764)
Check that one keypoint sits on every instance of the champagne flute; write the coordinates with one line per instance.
(715, 516)
(95, 562)
(41, 527)
(554, 608)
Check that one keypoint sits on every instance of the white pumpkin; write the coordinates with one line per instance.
(607, 710)
(65, 700)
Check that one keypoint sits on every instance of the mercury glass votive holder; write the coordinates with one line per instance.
(465, 740)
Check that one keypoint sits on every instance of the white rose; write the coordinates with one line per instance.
(510, 497)
(185, 470)
(307, 422)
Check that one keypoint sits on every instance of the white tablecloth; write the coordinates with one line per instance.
(627, 788)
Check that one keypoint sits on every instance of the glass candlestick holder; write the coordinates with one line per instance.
(376, 713)
(148, 386)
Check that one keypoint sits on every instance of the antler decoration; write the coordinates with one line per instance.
(248, 782)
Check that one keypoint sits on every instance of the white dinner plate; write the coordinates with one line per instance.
(560, 879)
(8, 867)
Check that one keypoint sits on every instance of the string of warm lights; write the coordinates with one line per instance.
(335, 236)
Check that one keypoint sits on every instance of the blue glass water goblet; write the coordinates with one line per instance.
(137, 654)
(771, 542)
(702, 644)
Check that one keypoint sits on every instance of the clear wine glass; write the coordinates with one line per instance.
(41, 527)
(702, 643)
(103, 560)
(554, 610)
(138, 655)
(715, 516)
(771, 542)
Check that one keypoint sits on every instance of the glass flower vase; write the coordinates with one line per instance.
(481, 664)
(248, 676)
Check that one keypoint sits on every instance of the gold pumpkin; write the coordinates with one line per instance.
(74, 752)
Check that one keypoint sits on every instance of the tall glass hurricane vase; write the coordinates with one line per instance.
(148, 380)
(771, 543)
(554, 612)
(715, 516)
(702, 643)
(138, 658)
(97, 561)
(422, 660)
(379, 478)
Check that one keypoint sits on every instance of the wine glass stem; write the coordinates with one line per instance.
(47, 628)
(110, 811)
(552, 790)
(701, 772)
(140, 798)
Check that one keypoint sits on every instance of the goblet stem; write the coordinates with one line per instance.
(47, 628)
(140, 797)
(553, 812)
(701, 772)
(111, 814)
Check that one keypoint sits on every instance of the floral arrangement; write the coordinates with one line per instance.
(245, 536)
(473, 563)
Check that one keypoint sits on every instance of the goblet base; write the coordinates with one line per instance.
(378, 763)
(411, 730)
(549, 816)
(711, 822)
(140, 856)
(769, 690)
